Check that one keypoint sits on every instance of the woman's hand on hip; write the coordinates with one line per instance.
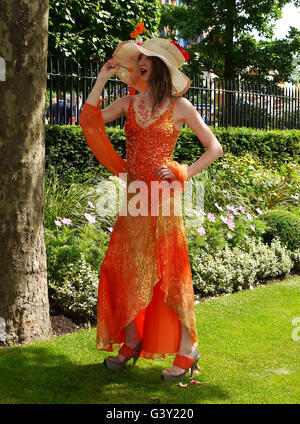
(165, 173)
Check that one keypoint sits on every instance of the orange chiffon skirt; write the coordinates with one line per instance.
(146, 276)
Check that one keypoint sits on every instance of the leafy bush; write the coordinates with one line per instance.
(68, 151)
(246, 180)
(73, 265)
(76, 295)
(229, 270)
(284, 225)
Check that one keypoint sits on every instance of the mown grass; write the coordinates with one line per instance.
(247, 351)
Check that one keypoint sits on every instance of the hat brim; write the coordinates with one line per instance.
(127, 54)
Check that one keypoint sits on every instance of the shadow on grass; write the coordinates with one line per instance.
(37, 375)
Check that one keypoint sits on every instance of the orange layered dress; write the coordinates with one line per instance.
(145, 275)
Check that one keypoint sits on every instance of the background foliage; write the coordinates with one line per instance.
(84, 28)
(229, 48)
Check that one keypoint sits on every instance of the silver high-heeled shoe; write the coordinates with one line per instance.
(128, 352)
(184, 362)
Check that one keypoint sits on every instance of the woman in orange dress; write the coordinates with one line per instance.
(145, 296)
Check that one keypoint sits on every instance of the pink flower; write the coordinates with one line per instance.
(252, 227)
(90, 218)
(230, 207)
(91, 204)
(58, 223)
(201, 231)
(249, 217)
(230, 224)
(242, 209)
(246, 236)
(66, 221)
(211, 217)
(58, 217)
(194, 382)
(229, 214)
(229, 235)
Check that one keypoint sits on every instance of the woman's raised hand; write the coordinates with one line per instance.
(109, 69)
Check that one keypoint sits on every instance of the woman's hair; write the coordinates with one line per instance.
(160, 81)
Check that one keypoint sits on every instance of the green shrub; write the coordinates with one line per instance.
(74, 259)
(76, 295)
(68, 151)
(229, 270)
(284, 225)
(246, 180)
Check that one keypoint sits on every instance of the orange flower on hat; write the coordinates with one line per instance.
(140, 29)
(133, 34)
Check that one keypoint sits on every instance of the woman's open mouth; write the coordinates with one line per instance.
(143, 71)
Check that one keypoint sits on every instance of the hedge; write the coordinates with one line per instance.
(68, 151)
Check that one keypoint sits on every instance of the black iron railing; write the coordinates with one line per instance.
(219, 102)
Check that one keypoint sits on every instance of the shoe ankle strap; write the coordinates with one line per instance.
(182, 361)
(127, 351)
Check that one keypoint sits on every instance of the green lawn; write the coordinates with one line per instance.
(245, 339)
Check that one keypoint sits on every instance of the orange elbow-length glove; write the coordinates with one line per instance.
(92, 124)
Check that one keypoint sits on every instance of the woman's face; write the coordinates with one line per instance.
(144, 66)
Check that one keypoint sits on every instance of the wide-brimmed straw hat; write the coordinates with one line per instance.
(127, 54)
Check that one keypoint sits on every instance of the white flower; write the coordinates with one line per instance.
(224, 219)
(217, 206)
(90, 218)
(91, 204)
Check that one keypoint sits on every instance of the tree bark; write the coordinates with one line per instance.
(24, 303)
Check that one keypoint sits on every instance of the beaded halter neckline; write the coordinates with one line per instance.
(170, 108)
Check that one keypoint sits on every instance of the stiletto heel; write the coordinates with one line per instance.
(126, 351)
(184, 362)
(194, 366)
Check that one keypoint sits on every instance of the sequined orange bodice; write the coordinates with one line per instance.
(151, 147)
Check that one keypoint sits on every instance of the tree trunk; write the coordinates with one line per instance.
(24, 304)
